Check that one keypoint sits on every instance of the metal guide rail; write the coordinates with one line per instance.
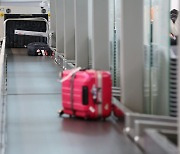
(3, 83)
(137, 126)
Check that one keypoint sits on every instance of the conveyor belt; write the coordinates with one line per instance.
(33, 126)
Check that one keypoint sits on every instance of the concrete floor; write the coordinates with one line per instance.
(33, 125)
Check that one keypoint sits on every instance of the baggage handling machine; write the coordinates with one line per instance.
(30, 97)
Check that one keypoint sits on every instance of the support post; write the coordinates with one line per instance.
(53, 22)
(69, 30)
(81, 33)
(60, 26)
(132, 54)
(100, 34)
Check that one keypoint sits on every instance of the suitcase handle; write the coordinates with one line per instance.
(84, 69)
(70, 74)
(85, 98)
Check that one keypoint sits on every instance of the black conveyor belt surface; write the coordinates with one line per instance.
(33, 126)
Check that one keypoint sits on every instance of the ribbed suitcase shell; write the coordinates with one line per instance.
(88, 79)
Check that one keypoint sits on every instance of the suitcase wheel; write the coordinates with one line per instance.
(61, 112)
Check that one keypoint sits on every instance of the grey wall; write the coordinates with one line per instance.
(20, 2)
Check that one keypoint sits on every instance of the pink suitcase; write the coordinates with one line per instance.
(86, 94)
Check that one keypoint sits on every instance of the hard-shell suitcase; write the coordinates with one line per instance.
(39, 49)
(86, 94)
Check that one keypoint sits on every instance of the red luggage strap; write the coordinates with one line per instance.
(74, 71)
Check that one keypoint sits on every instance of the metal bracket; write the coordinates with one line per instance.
(141, 125)
(157, 142)
(132, 117)
(30, 33)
